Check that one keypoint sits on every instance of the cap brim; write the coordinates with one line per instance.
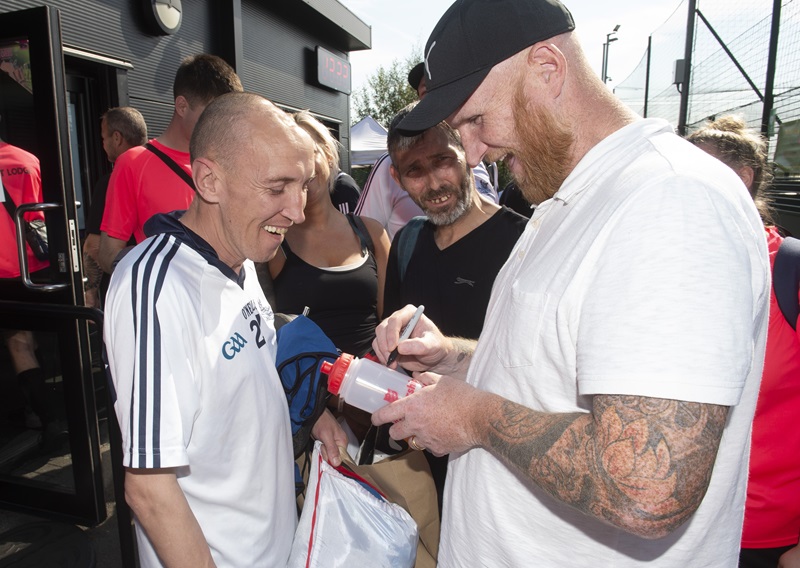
(441, 102)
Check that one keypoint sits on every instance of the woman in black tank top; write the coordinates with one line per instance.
(331, 263)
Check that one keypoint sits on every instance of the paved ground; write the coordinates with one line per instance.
(104, 538)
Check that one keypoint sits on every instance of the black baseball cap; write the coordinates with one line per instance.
(415, 75)
(472, 37)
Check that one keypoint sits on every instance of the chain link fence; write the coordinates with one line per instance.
(733, 61)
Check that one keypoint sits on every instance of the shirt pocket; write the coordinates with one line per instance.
(519, 326)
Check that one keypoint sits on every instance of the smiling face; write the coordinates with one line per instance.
(434, 172)
(262, 192)
(499, 121)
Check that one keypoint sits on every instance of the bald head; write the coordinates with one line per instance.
(225, 127)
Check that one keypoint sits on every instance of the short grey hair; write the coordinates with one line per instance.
(397, 141)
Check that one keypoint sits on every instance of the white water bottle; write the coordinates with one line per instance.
(366, 384)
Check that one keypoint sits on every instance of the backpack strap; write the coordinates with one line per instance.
(406, 241)
(171, 164)
(786, 279)
(361, 231)
(9, 204)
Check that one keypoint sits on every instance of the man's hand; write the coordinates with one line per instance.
(427, 349)
(445, 416)
(328, 431)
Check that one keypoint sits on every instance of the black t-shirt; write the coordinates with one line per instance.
(453, 284)
(345, 193)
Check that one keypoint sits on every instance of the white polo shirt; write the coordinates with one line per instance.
(647, 274)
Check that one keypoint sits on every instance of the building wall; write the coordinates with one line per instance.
(277, 53)
(274, 50)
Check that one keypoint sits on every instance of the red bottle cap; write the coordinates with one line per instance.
(336, 371)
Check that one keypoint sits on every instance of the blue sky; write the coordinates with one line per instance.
(398, 26)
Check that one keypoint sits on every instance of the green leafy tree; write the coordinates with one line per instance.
(386, 92)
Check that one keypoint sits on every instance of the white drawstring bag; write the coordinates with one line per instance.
(346, 522)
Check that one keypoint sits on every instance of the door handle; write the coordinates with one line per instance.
(24, 270)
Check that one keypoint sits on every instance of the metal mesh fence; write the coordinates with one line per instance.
(729, 68)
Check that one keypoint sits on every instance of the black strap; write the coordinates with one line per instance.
(361, 231)
(786, 279)
(10, 206)
(406, 242)
(172, 165)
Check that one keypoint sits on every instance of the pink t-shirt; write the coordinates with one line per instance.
(142, 185)
(772, 510)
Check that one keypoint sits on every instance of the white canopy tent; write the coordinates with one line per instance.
(367, 142)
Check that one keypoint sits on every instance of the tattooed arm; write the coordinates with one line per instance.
(641, 464)
(92, 270)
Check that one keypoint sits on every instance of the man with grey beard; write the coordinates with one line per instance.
(456, 253)
(453, 256)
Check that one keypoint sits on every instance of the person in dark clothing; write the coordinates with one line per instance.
(332, 263)
(512, 198)
(345, 193)
(456, 253)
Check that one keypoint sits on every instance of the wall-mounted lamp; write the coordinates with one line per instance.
(163, 17)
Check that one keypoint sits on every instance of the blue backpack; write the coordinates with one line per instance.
(302, 347)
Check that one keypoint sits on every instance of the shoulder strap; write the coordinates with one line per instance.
(786, 279)
(361, 231)
(9, 204)
(172, 165)
(406, 241)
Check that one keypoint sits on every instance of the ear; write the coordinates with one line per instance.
(395, 175)
(117, 138)
(204, 174)
(181, 105)
(547, 63)
(747, 174)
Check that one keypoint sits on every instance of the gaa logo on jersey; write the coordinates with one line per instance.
(231, 347)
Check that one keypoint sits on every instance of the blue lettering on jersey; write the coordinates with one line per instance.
(232, 347)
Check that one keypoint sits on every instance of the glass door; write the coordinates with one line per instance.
(51, 373)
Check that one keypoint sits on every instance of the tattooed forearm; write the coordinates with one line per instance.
(92, 271)
(642, 464)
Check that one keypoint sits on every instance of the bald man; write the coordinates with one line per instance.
(191, 346)
(604, 416)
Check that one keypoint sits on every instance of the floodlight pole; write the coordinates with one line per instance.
(683, 112)
(609, 38)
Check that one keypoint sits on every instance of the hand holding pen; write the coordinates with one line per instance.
(406, 333)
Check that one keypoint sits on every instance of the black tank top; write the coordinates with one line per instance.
(342, 303)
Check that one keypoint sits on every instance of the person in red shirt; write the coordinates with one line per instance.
(772, 509)
(150, 179)
(21, 182)
(121, 129)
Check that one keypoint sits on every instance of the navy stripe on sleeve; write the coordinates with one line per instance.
(144, 303)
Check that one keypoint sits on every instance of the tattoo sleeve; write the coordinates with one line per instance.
(641, 464)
